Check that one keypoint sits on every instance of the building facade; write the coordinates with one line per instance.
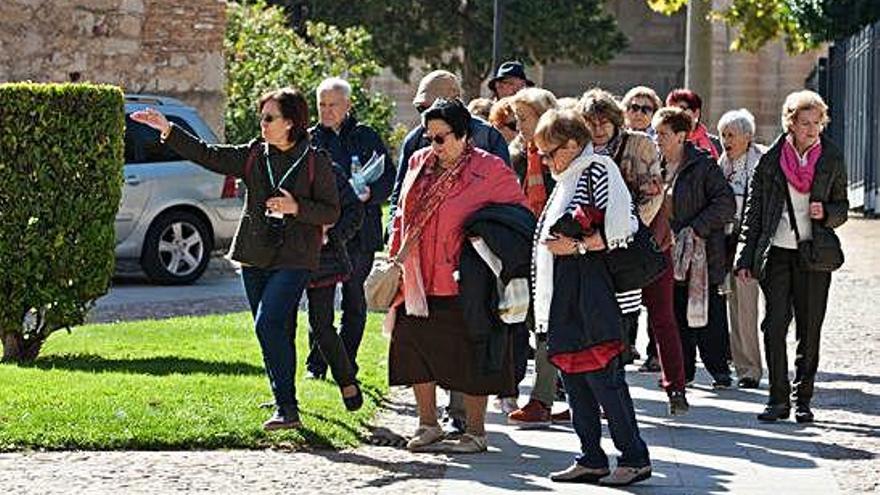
(165, 47)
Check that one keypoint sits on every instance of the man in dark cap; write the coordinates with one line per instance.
(509, 78)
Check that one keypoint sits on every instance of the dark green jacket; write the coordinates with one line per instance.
(317, 197)
(766, 203)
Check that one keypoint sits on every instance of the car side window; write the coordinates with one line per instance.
(142, 142)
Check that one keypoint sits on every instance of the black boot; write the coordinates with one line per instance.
(775, 412)
(803, 413)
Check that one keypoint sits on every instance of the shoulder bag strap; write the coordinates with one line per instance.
(792, 220)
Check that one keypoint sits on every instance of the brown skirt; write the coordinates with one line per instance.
(439, 349)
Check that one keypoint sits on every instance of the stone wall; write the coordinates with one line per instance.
(166, 47)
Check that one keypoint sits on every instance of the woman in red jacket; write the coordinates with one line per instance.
(429, 342)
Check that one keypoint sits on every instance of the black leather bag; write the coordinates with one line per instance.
(639, 264)
(822, 253)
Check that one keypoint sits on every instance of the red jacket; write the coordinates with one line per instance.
(485, 180)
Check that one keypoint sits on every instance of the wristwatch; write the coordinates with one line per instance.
(581, 247)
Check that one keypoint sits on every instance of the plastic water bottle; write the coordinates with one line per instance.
(357, 177)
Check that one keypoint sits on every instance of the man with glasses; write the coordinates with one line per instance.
(639, 105)
(345, 138)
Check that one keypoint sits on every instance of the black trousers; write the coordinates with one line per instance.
(712, 340)
(354, 312)
(790, 291)
(519, 339)
(325, 343)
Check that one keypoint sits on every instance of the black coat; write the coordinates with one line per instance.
(703, 200)
(358, 139)
(766, 203)
(584, 310)
(334, 264)
(508, 231)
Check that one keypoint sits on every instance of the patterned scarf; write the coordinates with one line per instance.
(533, 185)
(799, 176)
(700, 138)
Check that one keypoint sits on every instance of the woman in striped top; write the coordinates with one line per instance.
(588, 213)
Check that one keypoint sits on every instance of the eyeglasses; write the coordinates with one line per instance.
(439, 138)
(510, 125)
(269, 118)
(549, 155)
(645, 109)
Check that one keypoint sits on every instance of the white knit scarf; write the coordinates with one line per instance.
(619, 223)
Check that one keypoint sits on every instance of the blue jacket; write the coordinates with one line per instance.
(481, 134)
(358, 139)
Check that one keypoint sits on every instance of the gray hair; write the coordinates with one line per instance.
(741, 121)
(334, 84)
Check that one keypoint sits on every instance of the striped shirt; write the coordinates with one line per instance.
(629, 301)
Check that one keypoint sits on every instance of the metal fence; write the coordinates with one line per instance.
(849, 81)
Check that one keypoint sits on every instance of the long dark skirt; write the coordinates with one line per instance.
(439, 349)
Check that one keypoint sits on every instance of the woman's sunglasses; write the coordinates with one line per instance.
(510, 125)
(269, 118)
(438, 139)
(645, 109)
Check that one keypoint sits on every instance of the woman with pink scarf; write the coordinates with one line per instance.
(798, 196)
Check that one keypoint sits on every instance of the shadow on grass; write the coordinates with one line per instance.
(157, 366)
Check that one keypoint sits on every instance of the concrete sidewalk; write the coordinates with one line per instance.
(719, 447)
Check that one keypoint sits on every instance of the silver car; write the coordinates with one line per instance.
(173, 213)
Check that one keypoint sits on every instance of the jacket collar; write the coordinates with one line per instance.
(348, 124)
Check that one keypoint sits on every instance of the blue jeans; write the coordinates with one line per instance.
(608, 388)
(273, 296)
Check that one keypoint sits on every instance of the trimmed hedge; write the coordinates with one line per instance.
(61, 158)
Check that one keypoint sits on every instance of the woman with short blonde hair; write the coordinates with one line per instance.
(781, 224)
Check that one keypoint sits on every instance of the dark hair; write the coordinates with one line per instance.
(598, 104)
(693, 100)
(294, 107)
(453, 112)
(674, 117)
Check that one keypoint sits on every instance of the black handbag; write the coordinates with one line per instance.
(639, 264)
(822, 253)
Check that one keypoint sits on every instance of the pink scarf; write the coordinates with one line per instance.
(800, 177)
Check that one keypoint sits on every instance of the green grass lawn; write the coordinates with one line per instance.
(181, 383)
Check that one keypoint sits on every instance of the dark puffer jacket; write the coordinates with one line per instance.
(703, 200)
(766, 203)
(335, 264)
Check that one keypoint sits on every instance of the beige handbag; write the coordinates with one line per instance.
(382, 284)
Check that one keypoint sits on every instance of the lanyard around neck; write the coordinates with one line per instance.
(286, 174)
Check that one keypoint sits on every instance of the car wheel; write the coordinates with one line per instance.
(177, 248)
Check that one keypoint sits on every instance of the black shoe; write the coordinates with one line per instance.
(721, 382)
(678, 404)
(651, 365)
(775, 412)
(803, 413)
(354, 402)
(747, 383)
(285, 418)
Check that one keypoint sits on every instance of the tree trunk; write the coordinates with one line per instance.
(18, 350)
(698, 54)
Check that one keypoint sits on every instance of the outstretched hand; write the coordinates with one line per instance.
(153, 118)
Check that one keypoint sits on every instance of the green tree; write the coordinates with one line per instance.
(61, 154)
(802, 24)
(264, 53)
(457, 34)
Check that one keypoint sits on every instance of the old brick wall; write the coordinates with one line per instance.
(167, 47)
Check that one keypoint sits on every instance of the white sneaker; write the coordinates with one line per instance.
(579, 474)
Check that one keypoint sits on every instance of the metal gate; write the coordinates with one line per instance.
(849, 81)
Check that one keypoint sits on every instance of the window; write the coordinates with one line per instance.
(142, 142)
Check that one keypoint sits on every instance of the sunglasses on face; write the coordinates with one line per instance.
(645, 109)
(269, 118)
(510, 125)
(438, 139)
(548, 156)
